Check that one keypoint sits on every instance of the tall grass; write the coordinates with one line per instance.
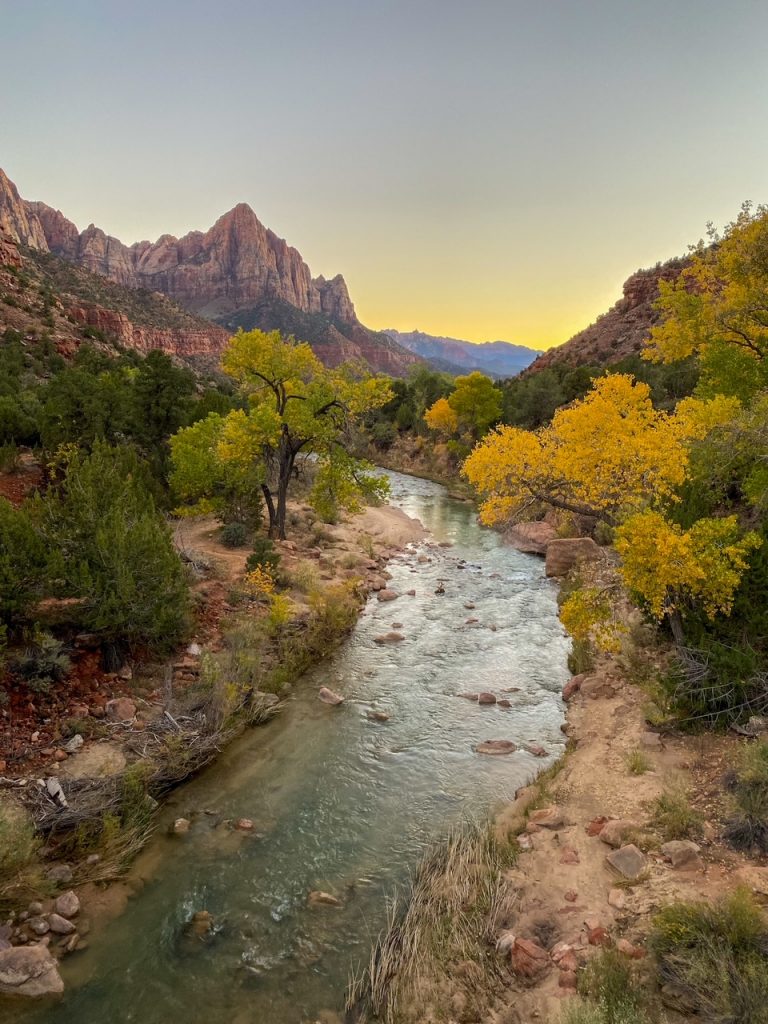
(455, 907)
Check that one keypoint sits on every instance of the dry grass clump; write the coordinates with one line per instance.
(638, 762)
(673, 816)
(436, 958)
(716, 956)
(610, 994)
(747, 828)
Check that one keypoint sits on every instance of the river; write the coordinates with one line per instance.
(340, 802)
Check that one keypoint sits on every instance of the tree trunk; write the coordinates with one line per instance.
(270, 510)
(676, 625)
(286, 459)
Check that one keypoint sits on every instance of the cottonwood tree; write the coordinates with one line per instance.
(717, 308)
(296, 407)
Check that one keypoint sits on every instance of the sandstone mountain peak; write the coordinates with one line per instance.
(238, 273)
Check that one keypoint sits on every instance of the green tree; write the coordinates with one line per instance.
(476, 402)
(23, 560)
(110, 547)
(295, 406)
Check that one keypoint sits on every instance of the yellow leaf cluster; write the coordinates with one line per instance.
(588, 615)
(666, 564)
(261, 581)
(603, 455)
(441, 418)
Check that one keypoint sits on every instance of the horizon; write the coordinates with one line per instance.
(490, 174)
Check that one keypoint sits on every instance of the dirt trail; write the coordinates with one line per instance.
(564, 888)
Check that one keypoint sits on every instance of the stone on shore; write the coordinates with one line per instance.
(120, 709)
(29, 971)
(628, 861)
(60, 925)
(565, 553)
(548, 817)
(528, 959)
(68, 905)
(615, 831)
(682, 853)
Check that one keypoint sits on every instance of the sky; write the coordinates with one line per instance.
(479, 169)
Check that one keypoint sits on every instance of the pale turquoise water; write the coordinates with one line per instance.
(342, 803)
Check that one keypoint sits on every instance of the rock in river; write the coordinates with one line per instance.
(328, 696)
(318, 898)
(389, 638)
(68, 905)
(495, 747)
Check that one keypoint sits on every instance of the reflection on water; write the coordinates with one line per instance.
(340, 802)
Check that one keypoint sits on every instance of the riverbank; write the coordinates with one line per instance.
(122, 749)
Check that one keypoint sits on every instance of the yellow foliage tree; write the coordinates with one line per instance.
(441, 418)
(668, 566)
(717, 308)
(603, 456)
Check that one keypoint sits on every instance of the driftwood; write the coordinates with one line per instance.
(60, 804)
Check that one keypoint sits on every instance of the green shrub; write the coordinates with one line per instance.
(112, 549)
(716, 954)
(264, 553)
(582, 657)
(234, 535)
(611, 993)
(9, 457)
(43, 662)
(747, 829)
(23, 561)
(674, 817)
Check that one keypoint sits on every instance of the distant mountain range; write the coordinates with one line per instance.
(495, 358)
(236, 274)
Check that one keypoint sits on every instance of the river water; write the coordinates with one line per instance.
(340, 803)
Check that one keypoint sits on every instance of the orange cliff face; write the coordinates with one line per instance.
(238, 273)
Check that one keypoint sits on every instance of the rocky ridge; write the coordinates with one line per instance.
(238, 274)
(622, 330)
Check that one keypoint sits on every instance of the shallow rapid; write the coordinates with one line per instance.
(340, 803)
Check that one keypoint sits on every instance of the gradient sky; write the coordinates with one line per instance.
(482, 170)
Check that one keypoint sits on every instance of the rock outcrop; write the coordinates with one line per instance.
(238, 274)
(620, 332)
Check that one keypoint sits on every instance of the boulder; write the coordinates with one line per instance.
(38, 925)
(328, 696)
(548, 817)
(682, 853)
(617, 899)
(564, 554)
(495, 747)
(60, 925)
(628, 949)
(29, 971)
(74, 744)
(528, 959)
(615, 831)
(180, 827)
(120, 709)
(628, 861)
(573, 686)
(387, 595)
(486, 698)
(532, 538)
(68, 905)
